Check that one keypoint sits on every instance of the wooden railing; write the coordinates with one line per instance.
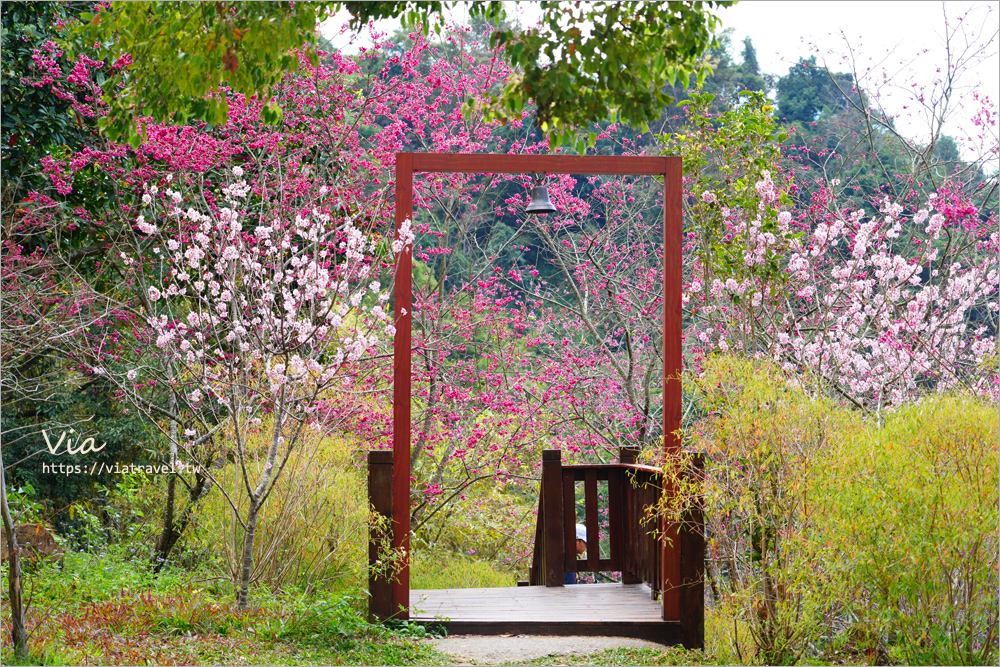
(635, 535)
(632, 491)
(673, 569)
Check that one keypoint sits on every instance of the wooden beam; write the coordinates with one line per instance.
(495, 163)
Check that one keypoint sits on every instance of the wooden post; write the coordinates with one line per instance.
(692, 553)
(552, 507)
(401, 386)
(628, 455)
(672, 366)
(380, 602)
(630, 528)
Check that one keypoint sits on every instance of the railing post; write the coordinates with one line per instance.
(628, 455)
(380, 603)
(631, 530)
(552, 508)
(692, 547)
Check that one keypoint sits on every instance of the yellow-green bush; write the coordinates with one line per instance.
(311, 532)
(831, 532)
(764, 440)
(443, 569)
(907, 513)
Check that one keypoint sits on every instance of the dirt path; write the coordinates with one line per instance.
(494, 650)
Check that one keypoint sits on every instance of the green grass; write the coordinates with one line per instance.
(105, 610)
(450, 570)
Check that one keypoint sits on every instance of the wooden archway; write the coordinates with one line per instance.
(670, 169)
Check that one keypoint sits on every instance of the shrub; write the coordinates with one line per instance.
(907, 514)
(763, 440)
(312, 531)
(442, 569)
(828, 532)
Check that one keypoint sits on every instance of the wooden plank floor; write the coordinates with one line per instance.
(615, 610)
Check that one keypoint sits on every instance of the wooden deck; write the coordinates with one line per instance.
(616, 610)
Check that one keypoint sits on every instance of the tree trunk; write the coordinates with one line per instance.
(169, 535)
(243, 595)
(18, 631)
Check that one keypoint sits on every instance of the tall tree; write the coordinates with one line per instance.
(808, 89)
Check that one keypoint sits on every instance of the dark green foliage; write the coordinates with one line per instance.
(807, 90)
(726, 81)
(35, 120)
(173, 59)
(65, 479)
(618, 71)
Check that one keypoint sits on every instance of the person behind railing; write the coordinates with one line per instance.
(581, 548)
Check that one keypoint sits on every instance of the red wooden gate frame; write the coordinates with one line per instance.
(409, 163)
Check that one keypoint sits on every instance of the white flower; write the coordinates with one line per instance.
(238, 172)
(145, 227)
(193, 256)
(238, 189)
(195, 396)
(154, 294)
(146, 200)
(132, 374)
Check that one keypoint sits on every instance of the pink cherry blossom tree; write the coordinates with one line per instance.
(261, 311)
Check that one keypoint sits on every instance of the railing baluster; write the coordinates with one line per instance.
(536, 575)
(615, 519)
(593, 530)
(569, 519)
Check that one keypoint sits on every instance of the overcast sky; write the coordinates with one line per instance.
(901, 41)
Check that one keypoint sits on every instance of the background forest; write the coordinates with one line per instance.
(212, 294)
